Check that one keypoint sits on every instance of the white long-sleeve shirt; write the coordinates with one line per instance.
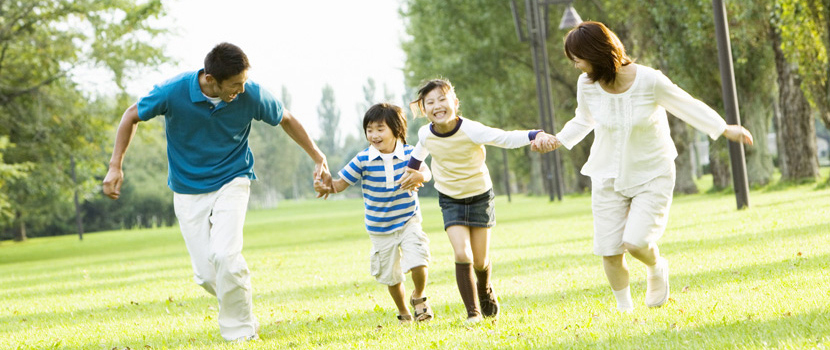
(458, 166)
(632, 141)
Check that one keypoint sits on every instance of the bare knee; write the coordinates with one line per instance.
(613, 260)
(631, 247)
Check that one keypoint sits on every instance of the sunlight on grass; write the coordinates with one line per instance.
(756, 278)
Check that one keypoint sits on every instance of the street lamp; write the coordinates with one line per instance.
(730, 102)
(536, 21)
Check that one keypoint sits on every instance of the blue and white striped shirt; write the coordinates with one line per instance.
(387, 207)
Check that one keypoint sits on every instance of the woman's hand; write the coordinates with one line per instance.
(737, 133)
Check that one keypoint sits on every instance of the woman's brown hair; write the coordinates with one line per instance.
(599, 46)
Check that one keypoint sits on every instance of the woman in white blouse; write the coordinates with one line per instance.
(631, 164)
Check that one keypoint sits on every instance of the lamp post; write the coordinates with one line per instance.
(536, 21)
(730, 102)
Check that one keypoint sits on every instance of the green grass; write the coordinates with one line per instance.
(751, 279)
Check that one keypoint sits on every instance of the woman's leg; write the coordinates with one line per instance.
(616, 270)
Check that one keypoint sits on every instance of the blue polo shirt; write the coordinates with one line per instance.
(207, 146)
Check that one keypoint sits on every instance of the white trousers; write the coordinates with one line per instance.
(211, 225)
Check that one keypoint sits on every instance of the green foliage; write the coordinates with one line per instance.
(805, 33)
(754, 278)
(45, 114)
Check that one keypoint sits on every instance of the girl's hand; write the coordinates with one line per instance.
(411, 180)
(544, 143)
(737, 133)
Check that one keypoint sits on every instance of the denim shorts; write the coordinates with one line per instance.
(475, 211)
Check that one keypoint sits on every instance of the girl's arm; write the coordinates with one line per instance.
(412, 179)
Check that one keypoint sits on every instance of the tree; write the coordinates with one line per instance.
(329, 116)
(44, 113)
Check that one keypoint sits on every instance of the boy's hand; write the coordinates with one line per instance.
(544, 143)
(321, 189)
(411, 180)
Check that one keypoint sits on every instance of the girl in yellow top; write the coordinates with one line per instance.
(465, 191)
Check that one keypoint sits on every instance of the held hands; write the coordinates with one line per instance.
(544, 143)
(322, 180)
(737, 133)
(411, 180)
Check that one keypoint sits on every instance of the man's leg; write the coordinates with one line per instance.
(193, 212)
(233, 282)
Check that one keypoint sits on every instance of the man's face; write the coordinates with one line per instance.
(229, 88)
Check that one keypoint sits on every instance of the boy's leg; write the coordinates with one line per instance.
(419, 281)
(233, 283)
(398, 294)
(193, 213)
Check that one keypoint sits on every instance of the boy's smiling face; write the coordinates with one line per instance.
(381, 137)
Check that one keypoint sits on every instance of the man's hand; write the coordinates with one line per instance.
(112, 183)
(322, 179)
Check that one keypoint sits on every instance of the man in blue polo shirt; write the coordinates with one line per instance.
(208, 115)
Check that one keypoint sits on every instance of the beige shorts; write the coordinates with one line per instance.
(396, 253)
(637, 215)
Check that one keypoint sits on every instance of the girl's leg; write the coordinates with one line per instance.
(480, 239)
(616, 270)
(460, 239)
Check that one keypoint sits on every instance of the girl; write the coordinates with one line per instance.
(631, 164)
(465, 191)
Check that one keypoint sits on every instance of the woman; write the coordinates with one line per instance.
(631, 164)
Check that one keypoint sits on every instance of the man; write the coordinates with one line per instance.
(208, 115)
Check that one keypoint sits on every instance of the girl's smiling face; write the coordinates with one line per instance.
(381, 137)
(441, 109)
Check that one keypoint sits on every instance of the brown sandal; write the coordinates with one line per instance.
(405, 319)
(421, 309)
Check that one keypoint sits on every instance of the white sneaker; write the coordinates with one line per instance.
(657, 292)
(247, 338)
(472, 320)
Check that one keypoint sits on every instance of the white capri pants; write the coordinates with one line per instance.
(211, 225)
(637, 215)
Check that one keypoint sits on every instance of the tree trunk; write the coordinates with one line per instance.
(20, 233)
(719, 164)
(685, 174)
(757, 118)
(798, 128)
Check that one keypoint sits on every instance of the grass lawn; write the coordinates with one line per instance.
(751, 279)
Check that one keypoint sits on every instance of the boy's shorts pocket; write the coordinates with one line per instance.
(374, 263)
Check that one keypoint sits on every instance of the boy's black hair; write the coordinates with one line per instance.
(225, 61)
(390, 114)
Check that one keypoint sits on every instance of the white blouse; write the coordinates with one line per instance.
(632, 140)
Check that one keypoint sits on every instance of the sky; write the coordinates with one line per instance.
(302, 45)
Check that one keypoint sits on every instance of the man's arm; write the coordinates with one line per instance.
(295, 130)
(123, 138)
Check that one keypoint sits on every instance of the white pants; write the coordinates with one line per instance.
(636, 215)
(211, 224)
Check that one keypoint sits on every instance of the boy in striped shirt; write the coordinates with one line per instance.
(393, 216)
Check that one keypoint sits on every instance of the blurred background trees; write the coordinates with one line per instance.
(55, 138)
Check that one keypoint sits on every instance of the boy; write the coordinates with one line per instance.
(393, 216)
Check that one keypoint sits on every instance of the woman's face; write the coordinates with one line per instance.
(582, 65)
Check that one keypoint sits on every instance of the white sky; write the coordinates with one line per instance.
(299, 44)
